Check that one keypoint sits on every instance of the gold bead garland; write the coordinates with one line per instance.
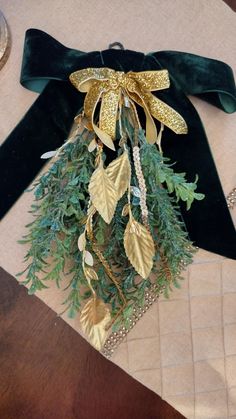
(231, 199)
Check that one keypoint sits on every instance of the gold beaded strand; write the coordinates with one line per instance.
(142, 185)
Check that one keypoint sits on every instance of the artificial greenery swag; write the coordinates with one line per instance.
(109, 221)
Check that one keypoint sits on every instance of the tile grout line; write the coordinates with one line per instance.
(223, 330)
(185, 331)
(196, 362)
(191, 334)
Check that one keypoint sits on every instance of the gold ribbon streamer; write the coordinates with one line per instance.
(108, 86)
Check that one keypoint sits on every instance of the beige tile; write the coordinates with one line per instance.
(230, 339)
(184, 404)
(211, 405)
(144, 354)
(230, 363)
(204, 256)
(208, 343)
(206, 311)
(176, 348)
(229, 275)
(229, 307)
(147, 326)
(174, 316)
(177, 380)
(232, 401)
(205, 279)
(120, 356)
(209, 375)
(151, 379)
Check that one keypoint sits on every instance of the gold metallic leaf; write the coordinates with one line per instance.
(125, 210)
(92, 145)
(82, 242)
(88, 258)
(104, 137)
(94, 318)
(119, 172)
(103, 194)
(139, 247)
(90, 274)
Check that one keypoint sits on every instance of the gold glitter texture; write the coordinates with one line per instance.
(108, 85)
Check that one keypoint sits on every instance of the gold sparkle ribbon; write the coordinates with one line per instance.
(108, 86)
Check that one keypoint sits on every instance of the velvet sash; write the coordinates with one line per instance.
(45, 69)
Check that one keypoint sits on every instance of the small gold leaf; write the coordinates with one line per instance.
(90, 274)
(125, 210)
(88, 258)
(119, 172)
(104, 137)
(94, 318)
(103, 194)
(81, 242)
(139, 247)
(92, 145)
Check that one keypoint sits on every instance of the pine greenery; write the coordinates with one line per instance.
(59, 211)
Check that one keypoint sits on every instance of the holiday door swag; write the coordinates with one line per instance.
(131, 191)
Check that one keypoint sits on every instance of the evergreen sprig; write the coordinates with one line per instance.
(59, 211)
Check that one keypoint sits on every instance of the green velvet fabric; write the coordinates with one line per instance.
(46, 67)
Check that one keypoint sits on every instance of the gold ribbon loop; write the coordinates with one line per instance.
(108, 85)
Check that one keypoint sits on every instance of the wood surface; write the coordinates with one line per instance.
(48, 371)
(232, 4)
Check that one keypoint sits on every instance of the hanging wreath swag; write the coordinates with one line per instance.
(107, 210)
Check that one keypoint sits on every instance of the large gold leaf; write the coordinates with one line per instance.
(139, 247)
(103, 194)
(94, 318)
(119, 172)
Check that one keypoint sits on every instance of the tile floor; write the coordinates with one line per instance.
(184, 348)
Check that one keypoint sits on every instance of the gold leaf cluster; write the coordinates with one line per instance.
(94, 318)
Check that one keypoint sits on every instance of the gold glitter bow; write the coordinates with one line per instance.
(109, 85)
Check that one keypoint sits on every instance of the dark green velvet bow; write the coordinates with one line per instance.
(46, 67)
